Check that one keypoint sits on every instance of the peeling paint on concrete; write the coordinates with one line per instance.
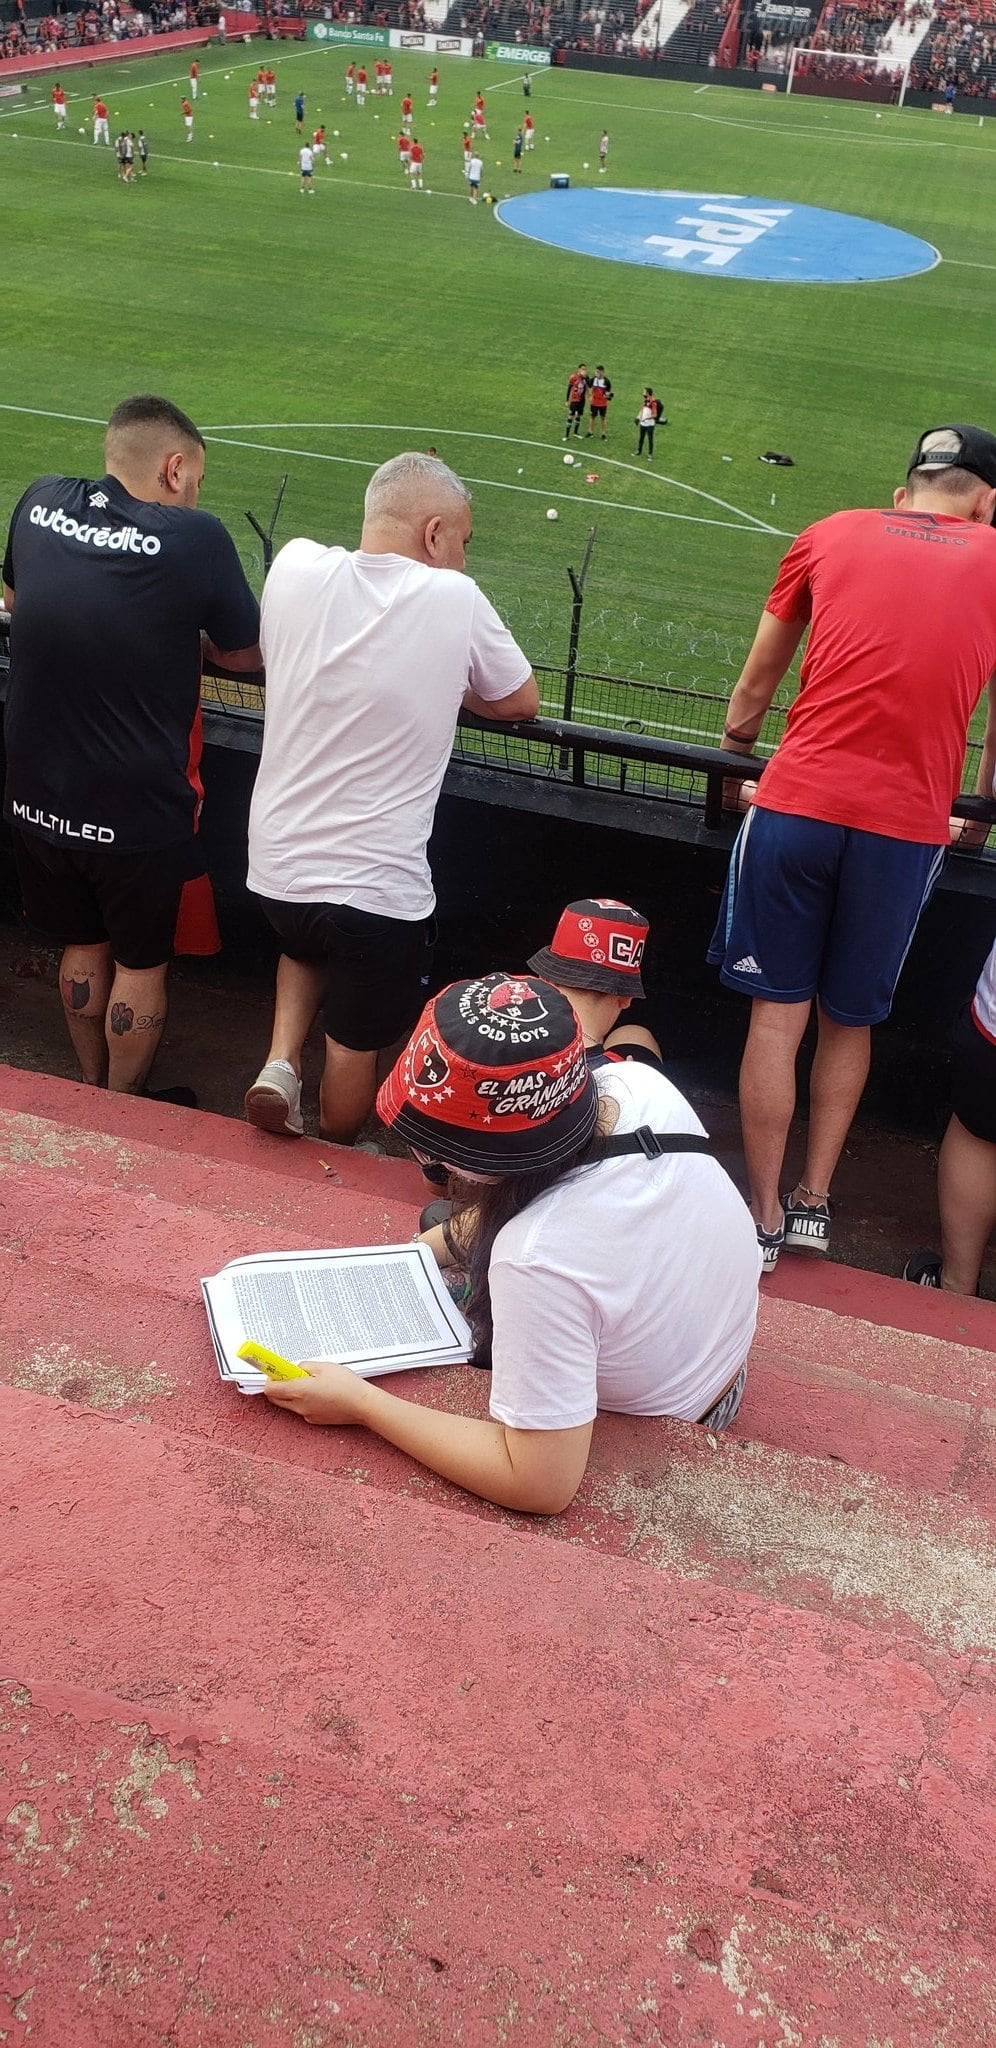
(754, 1508)
(150, 1760)
(60, 1370)
(35, 1141)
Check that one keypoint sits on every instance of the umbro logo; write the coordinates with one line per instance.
(748, 965)
(98, 498)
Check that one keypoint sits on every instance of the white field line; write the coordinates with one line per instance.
(43, 106)
(471, 434)
(191, 162)
(490, 483)
(790, 129)
(226, 437)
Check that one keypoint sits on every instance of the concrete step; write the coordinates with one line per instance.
(292, 1760)
(859, 1479)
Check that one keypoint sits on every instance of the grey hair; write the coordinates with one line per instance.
(402, 488)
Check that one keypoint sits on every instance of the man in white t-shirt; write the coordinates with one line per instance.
(369, 656)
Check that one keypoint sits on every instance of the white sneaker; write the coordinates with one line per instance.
(273, 1103)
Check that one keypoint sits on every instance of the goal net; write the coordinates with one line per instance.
(848, 75)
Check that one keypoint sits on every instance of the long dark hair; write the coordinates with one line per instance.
(494, 1204)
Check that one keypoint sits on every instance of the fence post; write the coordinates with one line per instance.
(577, 584)
(266, 536)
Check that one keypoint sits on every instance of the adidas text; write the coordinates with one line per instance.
(748, 965)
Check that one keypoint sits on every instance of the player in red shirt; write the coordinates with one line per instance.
(389, 78)
(188, 118)
(415, 166)
(101, 131)
(477, 117)
(406, 112)
(194, 75)
(253, 100)
(577, 399)
(318, 141)
(433, 87)
(851, 817)
(270, 88)
(59, 106)
(529, 132)
(405, 152)
(468, 150)
(350, 79)
(361, 86)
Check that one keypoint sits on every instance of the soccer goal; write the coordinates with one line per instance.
(848, 74)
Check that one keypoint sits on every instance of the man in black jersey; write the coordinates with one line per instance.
(111, 585)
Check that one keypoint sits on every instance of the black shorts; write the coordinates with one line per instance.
(90, 896)
(973, 1078)
(378, 967)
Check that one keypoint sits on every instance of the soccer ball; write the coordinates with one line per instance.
(553, 513)
(569, 459)
(586, 167)
(82, 131)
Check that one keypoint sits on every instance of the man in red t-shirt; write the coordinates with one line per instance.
(407, 108)
(416, 163)
(59, 105)
(188, 118)
(195, 72)
(850, 820)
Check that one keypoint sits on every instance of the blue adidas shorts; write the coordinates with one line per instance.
(811, 909)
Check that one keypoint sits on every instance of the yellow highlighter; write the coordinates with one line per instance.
(270, 1362)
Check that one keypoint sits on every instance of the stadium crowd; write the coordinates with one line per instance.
(959, 51)
(33, 34)
(510, 1083)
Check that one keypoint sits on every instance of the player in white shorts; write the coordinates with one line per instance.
(433, 88)
(389, 79)
(361, 87)
(350, 79)
(59, 106)
(415, 166)
(318, 142)
(101, 131)
(253, 100)
(405, 152)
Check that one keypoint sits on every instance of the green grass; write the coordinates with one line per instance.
(382, 319)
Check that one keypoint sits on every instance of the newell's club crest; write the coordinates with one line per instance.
(515, 1002)
(429, 1067)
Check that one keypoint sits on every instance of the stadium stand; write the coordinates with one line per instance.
(959, 48)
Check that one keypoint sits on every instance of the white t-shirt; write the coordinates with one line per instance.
(632, 1286)
(984, 999)
(307, 159)
(367, 659)
(474, 169)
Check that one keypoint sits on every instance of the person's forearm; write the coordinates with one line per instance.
(471, 1453)
(745, 714)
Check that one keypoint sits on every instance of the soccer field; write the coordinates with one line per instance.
(316, 336)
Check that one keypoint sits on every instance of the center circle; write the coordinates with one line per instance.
(718, 234)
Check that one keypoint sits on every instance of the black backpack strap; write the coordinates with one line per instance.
(653, 1144)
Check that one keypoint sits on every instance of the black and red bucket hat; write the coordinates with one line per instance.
(494, 1079)
(598, 945)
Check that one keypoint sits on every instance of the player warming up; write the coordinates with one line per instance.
(577, 397)
(101, 131)
(253, 100)
(59, 105)
(433, 87)
(415, 164)
(306, 163)
(188, 118)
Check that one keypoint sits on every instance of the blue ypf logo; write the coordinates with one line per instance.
(719, 234)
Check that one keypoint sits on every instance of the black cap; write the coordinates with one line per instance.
(968, 448)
